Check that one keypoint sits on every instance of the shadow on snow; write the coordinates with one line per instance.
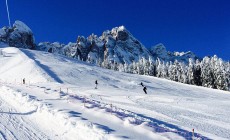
(157, 125)
(44, 67)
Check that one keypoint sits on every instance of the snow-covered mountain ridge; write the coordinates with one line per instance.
(116, 45)
(159, 51)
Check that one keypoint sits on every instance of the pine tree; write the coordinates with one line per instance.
(170, 71)
(135, 67)
(175, 71)
(227, 68)
(220, 74)
(151, 69)
(164, 70)
(197, 73)
(126, 68)
(121, 67)
(159, 68)
(190, 73)
(140, 67)
(146, 67)
(184, 75)
(207, 76)
(181, 72)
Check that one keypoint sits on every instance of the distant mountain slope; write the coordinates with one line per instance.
(159, 51)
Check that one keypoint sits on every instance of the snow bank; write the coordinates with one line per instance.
(53, 121)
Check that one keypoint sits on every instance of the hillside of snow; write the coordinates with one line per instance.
(59, 101)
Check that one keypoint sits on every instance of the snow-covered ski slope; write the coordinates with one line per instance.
(59, 101)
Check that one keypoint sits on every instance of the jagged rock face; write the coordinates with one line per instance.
(97, 48)
(122, 35)
(122, 47)
(20, 35)
(55, 47)
(84, 46)
(116, 46)
(159, 51)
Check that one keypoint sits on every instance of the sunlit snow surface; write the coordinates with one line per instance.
(59, 101)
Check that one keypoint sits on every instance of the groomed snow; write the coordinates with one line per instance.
(59, 101)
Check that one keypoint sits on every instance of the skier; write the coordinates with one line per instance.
(145, 89)
(23, 81)
(142, 84)
(96, 84)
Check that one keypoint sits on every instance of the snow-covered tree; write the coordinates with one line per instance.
(170, 71)
(181, 72)
(146, 67)
(175, 71)
(207, 76)
(190, 73)
(164, 70)
(197, 73)
(227, 68)
(151, 67)
(126, 68)
(121, 67)
(140, 66)
(220, 74)
(159, 68)
(106, 64)
(134, 67)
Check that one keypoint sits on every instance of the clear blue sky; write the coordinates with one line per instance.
(202, 26)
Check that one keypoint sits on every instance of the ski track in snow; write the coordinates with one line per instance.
(14, 120)
(157, 125)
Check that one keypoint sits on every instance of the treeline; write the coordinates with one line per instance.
(211, 72)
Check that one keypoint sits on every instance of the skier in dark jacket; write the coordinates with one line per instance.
(142, 84)
(23, 81)
(145, 89)
(96, 84)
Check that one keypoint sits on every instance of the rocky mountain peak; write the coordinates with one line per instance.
(20, 35)
(159, 50)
